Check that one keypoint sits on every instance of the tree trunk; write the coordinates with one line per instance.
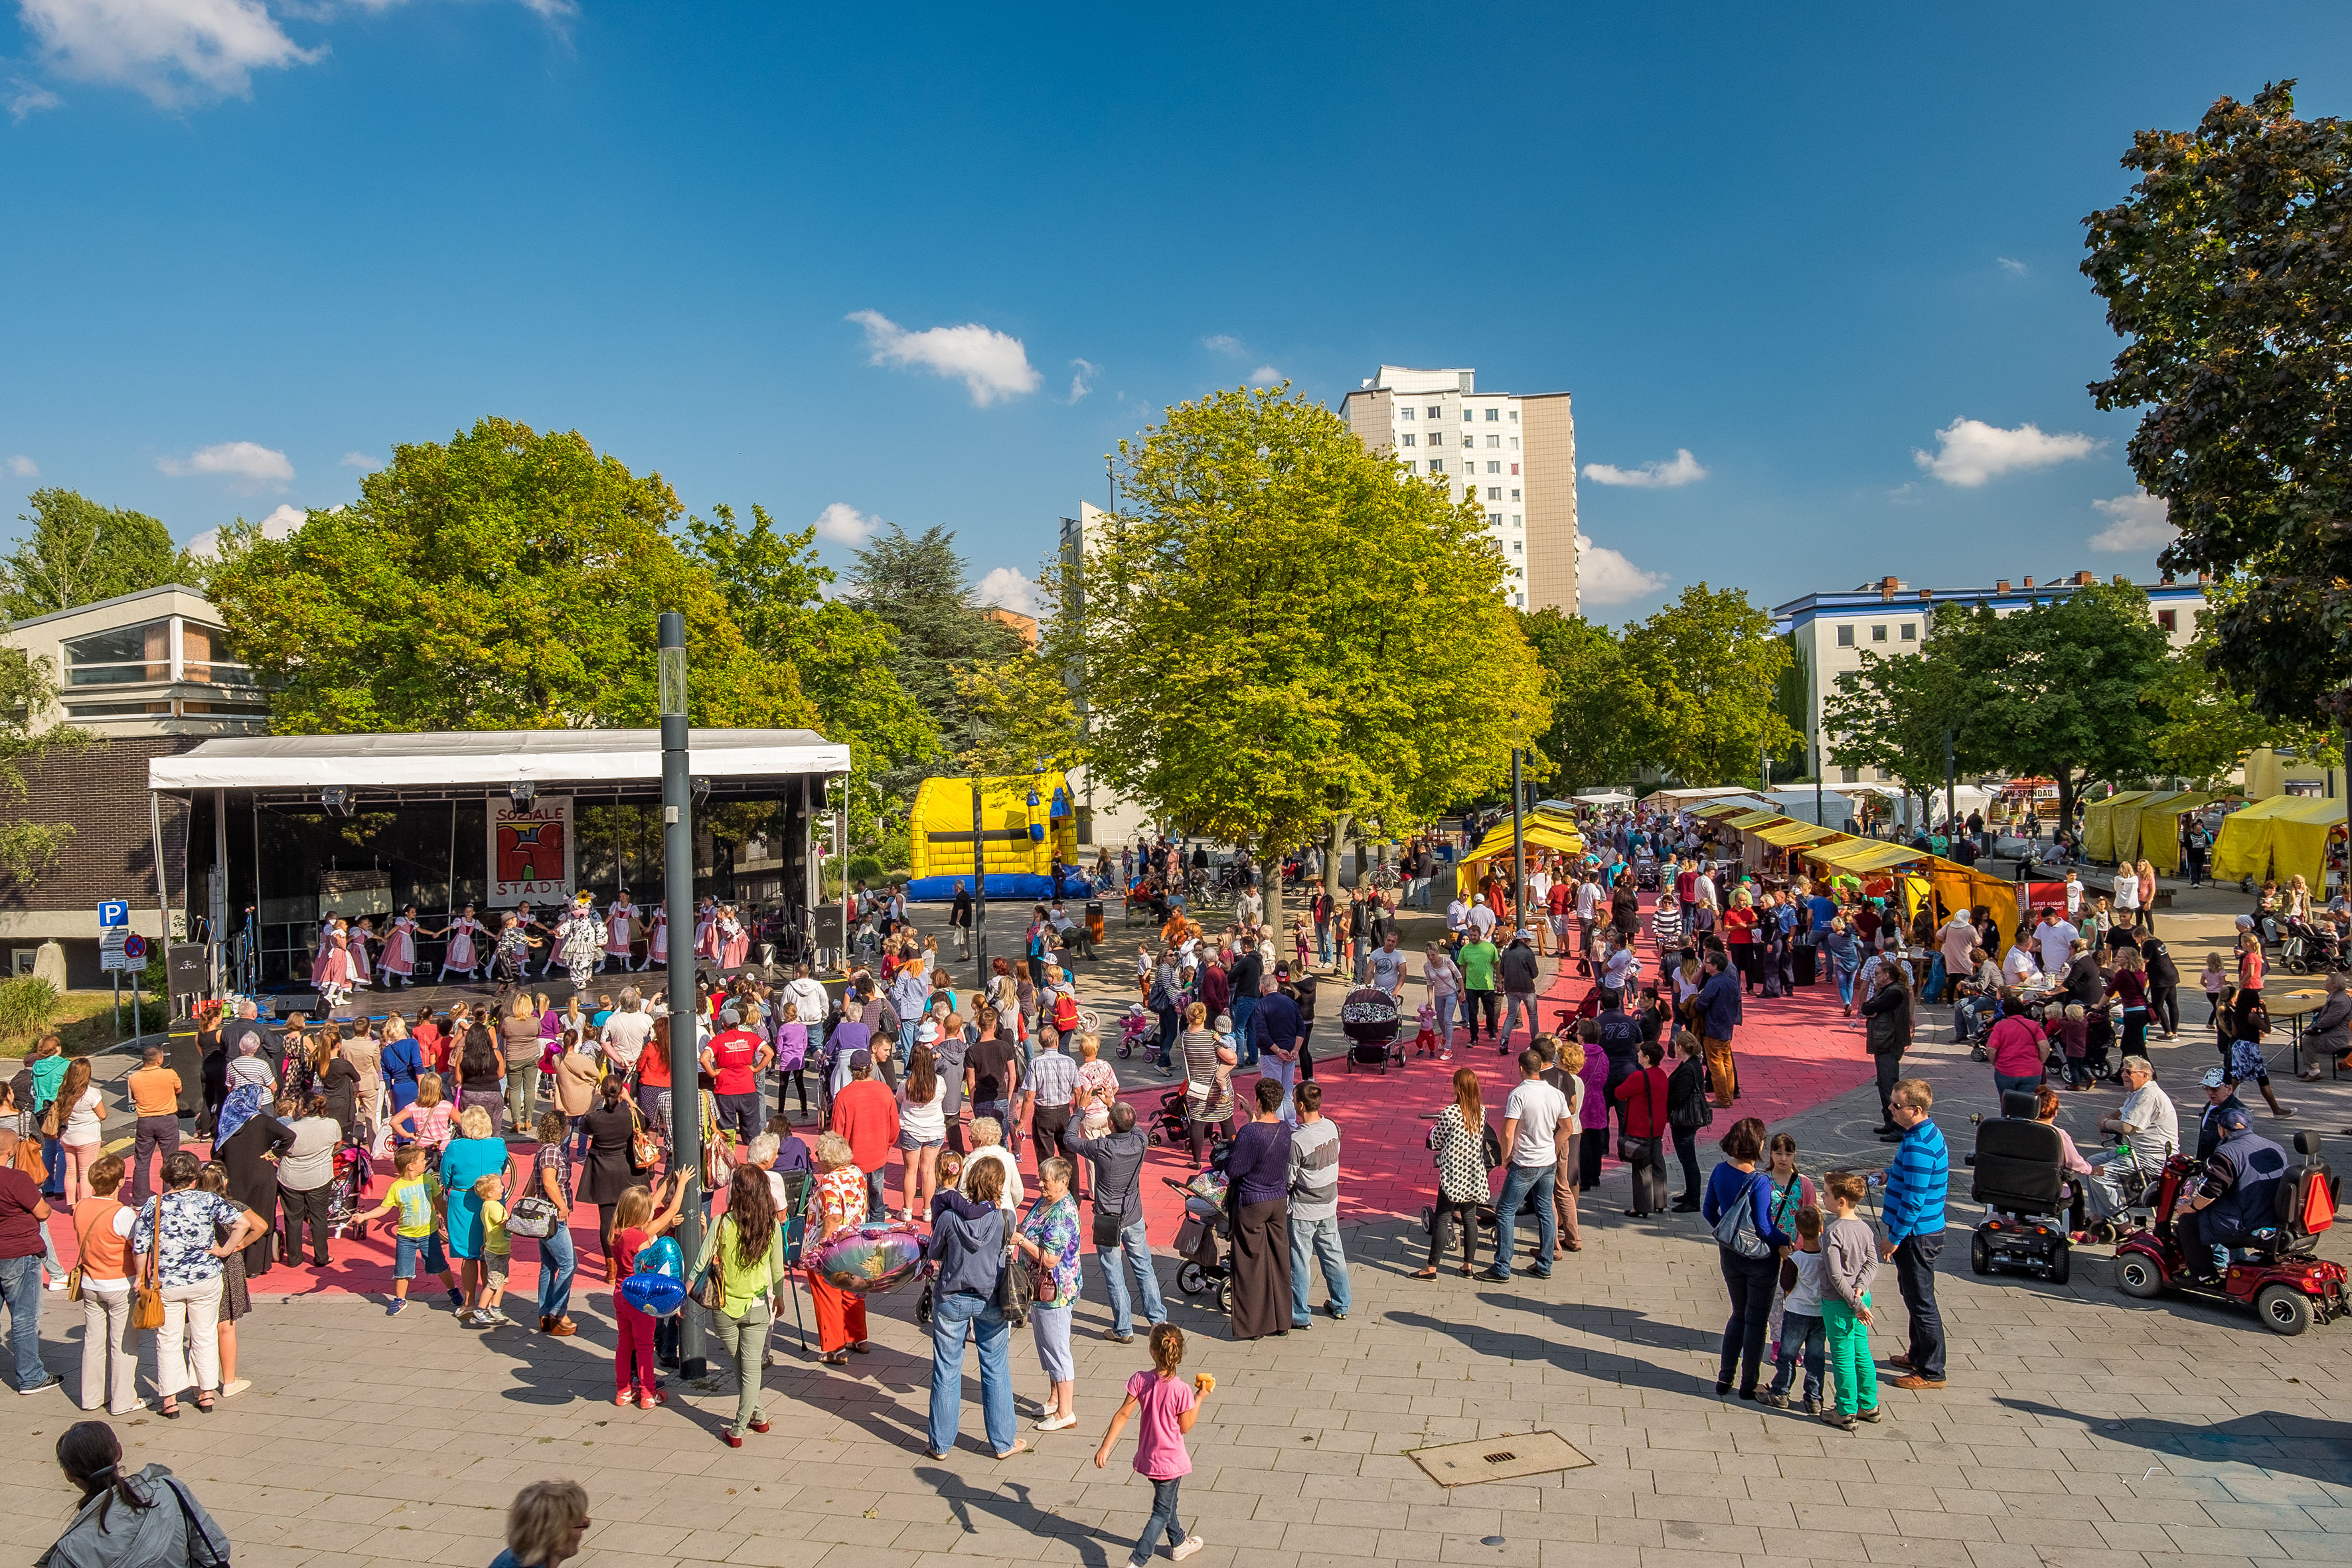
(1269, 872)
(1331, 856)
(2065, 777)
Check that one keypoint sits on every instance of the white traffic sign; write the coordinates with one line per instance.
(114, 954)
(113, 912)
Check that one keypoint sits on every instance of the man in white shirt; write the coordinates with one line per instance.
(624, 1031)
(1587, 916)
(1531, 1122)
(2073, 893)
(1705, 888)
(811, 1004)
(1457, 921)
(2017, 966)
(2056, 938)
(2149, 1122)
(1388, 965)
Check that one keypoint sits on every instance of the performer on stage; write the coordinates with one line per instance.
(705, 929)
(581, 938)
(621, 930)
(363, 964)
(734, 941)
(335, 969)
(656, 938)
(464, 953)
(326, 946)
(397, 967)
(513, 952)
(546, 937)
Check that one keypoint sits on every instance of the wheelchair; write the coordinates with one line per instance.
(2018, 1174)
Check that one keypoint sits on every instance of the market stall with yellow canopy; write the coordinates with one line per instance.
(2299, 832)
(2159, 826)
(2127, 816)
(1542, 831)
(2243, 848)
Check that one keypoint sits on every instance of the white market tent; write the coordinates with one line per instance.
(1835, 810)
(1684, 799)
(1608, 797)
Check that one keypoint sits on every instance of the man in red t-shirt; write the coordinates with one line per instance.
(734, 1059)
(22, 1214)
(866, 1113)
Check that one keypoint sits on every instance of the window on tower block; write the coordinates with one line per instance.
(1878, 633)
(1405, 413)
(1514, 416)
(1493, 414)
(1845, 639)
(1910, 631)
(1436, 413)
(1515, 443)
(1436, 465)
(1514, 516)
(1514, 495)
(1407, 438)
(1495, 441)
(1494, 468)
(1514, 468)
(1468, 414)
(1493, 519)
(1495, 492)
(1520, 544)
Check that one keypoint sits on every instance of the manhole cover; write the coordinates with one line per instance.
(1508, 1459)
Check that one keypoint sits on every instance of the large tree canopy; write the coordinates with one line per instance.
(504, 579)
(1714, 666)
(77, 551)
(1281, 632)
(1603, 716)
(1897, 713)
(916, 585)
(2226, 271)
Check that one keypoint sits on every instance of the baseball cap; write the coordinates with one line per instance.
(861, 1059)
(2235, 1119)
(729, 1015)
(2213, 1078)
(1224, 1023)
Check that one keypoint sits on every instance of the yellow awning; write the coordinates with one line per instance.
(2244, 845)
(1786, 835)
(1751, 819)
(1541, 832)
(2298, 839)
(2126, 818)
(2159, 827)
(2099, 824)
(1723, 809)
(1868, 855)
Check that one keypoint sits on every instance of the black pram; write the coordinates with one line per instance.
(1369, 1017)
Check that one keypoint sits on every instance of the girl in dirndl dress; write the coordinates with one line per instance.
(656, 939)
(362, 935)
(399, 961)
(463, 953)
(335, 974)
(620, 931)
(705, 929)
(734, 941)
(326, 948)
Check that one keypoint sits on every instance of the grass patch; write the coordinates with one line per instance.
(85, 1021)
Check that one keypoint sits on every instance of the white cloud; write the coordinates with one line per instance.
(1680, 469)
(2134, 522)
(276, 525)
(24, 467)
(843, 523)
(1082, 374)
(1969, 451)
(991, 364)
(2015, 269)
(1224, 344)
(361, 461)
(1266, 375)
(249, 463)
(1604, 576)
(27, 99)
(1007, 590)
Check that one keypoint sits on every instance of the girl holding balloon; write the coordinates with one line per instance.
(636, 1222)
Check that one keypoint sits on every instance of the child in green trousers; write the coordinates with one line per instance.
(1849, 1266)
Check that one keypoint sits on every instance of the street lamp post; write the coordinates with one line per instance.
(1518, 848)
(677, 897)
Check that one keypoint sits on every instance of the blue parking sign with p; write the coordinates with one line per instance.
(112, 912)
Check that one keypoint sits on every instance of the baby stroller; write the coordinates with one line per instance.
(1369, 1017)
(1645, 867)
(347, 1188)
(2021, 1182)
(2309, 949)
(1167, 1123)
(1205, 1242)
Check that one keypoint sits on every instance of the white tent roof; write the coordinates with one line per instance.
(488, 757)
(1607, 797)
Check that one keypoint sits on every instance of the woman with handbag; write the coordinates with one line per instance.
(101, 1281)
(740, 1278)
(543, 1211)
(1048, 1240)
(1739, 1206)
(179, 1280)
(1688, 1109)
(612, 1125)
(969, 1253)
(1644, 1095)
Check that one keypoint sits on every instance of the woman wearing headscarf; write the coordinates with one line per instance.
(247, 1143)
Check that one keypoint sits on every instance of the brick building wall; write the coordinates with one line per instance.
(102, 793)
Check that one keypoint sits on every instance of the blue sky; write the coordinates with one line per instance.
(1798, 243)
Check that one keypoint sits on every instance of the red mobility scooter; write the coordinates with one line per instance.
(2288, 1286)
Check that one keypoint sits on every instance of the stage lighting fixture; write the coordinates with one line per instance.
(336, 798)
(523, 792)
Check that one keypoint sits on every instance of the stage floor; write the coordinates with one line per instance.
(376, 1004)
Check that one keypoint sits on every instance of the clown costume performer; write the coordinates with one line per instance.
(579, 940)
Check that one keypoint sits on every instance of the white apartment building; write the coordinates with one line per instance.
(1829, 632)
(1515, 452)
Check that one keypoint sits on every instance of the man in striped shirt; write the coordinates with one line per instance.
(1315, 1206)
(1052, 1081)
(1917, 1186)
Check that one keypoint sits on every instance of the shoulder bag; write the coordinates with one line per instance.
(207, 1547)
(533, 1216)
(146, 1293)
(708, 1292)
(1736, 1231)
(1629, 1148)
(644, 1148)
(1015, 1286)
(81, 1259)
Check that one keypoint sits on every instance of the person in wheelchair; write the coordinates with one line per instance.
(2236, 1204)
(2149, 1128)
(2019, 1174)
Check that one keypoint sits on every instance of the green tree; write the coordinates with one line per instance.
(2061, 689)
(1713, 664)
(842, 655)
(1283, 634)
(508, 578)
(1019, 716)
(1603, 717)
(1894, 714)
(2224, 272)
(78, 553)
(916, 583)
(29, 689)
(2208, 728)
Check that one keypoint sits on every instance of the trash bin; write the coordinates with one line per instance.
(1094, 918)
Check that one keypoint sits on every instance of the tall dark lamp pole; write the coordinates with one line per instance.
(1518, 848)
(677, 897)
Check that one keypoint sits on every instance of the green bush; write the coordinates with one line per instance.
(866, 869)
(28, 1006)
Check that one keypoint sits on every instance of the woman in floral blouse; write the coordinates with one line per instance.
(1049, 1239)
(837, 1203)
(177, 1226)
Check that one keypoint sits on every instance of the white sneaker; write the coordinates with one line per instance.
(1192, 1543)
(1056, 1423)
(235, 1387)
(56, 1285)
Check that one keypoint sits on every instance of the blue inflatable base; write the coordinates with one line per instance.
(1000, 885)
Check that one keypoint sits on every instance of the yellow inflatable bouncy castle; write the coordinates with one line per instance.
(1028, 828)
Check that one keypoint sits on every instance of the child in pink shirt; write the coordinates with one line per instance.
(1167, 1408)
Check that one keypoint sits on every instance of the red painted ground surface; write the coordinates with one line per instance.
(1794, 1053)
